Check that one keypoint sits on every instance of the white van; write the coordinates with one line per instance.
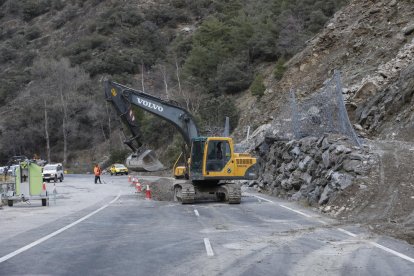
(53, 172)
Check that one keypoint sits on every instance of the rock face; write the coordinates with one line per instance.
(314, 169)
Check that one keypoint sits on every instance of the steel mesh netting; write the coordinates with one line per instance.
(322, 112)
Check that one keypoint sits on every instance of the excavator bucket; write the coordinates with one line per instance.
(145, 161)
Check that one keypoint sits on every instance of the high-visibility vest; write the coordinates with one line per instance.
(97, 171)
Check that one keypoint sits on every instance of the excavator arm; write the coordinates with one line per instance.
(122, 97)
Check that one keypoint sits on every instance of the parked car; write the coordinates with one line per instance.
(53, 172)
(118, 169)
(12, 170)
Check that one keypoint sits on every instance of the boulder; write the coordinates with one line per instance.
(341, 180)
(304, 163)
(341, 149)
(295, 152)
(409, 29)
(326, 159)
(306, 178)
(353, 166)
(326, 194)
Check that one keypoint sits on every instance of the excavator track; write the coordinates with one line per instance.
(187, 193)
(233, 193)
(225, 192)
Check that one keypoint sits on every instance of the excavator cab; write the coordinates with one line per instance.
(213, 158)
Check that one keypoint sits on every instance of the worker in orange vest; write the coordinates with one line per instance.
(97, 171)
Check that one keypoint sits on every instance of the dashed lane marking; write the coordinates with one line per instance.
(45, 238)
(209, 250)
(196, 213)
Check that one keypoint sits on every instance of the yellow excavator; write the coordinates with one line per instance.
(211, 163)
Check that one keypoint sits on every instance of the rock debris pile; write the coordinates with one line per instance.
(312, 169)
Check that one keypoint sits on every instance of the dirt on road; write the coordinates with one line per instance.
(384, 202)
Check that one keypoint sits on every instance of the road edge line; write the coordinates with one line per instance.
(57, 232)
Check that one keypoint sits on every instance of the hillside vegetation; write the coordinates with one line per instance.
(54, 55)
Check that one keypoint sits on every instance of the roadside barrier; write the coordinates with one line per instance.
(148, 193)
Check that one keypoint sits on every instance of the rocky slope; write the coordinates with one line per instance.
(372, 44)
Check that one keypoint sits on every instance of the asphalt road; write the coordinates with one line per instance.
(125, 234)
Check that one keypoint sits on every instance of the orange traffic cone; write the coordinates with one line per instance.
(148, 193)
(138, 187)
(129, 178)
(134, 181)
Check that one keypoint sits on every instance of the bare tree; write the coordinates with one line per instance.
(59, 81)
(142, 76)
(46, 131)
(164, 76)
(108, 115)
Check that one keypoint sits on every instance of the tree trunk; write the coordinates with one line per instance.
(164, 74)
(64, 128)
(108, 113)
(180, 90)
(47, 133)
(142, 76)
(102, 129)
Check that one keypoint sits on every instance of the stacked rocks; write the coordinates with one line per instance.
(314, 169)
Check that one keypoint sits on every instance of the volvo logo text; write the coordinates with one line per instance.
(150, 105)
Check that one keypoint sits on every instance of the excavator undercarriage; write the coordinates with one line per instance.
(188, 193)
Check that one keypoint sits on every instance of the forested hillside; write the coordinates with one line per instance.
(202, 54)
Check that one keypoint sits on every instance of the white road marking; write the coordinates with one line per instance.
(208, 247)
(283, 206)
(347, 232)
(296, 211)
(196, 213)
(321, 221)
(45, 238)
(405, 257)
(389, 250)
(262, 198)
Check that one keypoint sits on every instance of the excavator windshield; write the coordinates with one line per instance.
(197, 153)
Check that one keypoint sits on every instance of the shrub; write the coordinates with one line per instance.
(32, 32)
(118, 155)
(58, 4)
(214, 111)
(234, 75)
(257, 88)
(27, 58)
(17, 42)
(34, 8)
(66, 16)
(7, 54)
(279, 69)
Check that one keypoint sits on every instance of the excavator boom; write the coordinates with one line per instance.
(122, 97)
